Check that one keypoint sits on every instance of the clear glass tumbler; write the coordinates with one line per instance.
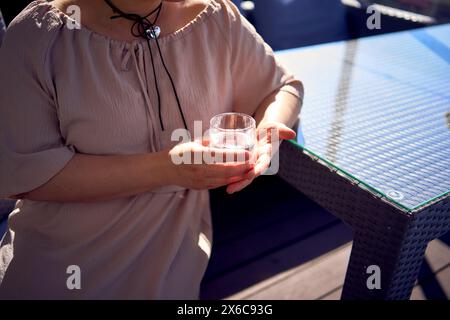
(233, 131)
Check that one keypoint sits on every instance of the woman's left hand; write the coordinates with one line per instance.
(264, 150)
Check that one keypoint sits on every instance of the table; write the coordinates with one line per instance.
(373, 148)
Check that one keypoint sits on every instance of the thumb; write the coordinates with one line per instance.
(285, 133)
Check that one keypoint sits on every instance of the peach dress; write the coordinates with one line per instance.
(65, 91)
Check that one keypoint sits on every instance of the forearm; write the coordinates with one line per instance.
(88, 178)
(280, 106)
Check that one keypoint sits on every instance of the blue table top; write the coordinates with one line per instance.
(378, 110)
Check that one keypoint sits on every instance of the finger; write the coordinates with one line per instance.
(219, 182)
(226, 170)
(238, 186)
(283, 131)
(263, 155)
(264, 149)
(232, 180)
(251, 174)
(224, 155)
(248, 174)
(205, 141)
(286, 133)
(262, 165)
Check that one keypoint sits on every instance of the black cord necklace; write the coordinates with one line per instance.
(144, 28)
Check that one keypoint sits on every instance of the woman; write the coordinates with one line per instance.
(86, 120)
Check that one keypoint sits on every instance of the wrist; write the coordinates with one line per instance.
(165, 168)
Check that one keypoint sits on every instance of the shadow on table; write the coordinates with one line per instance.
(431, 287)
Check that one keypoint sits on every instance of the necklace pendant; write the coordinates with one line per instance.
(154, 32)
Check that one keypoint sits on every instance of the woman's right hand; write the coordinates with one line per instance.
(197, 171)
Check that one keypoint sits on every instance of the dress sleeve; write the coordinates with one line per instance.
(256, 73)
(32, 149)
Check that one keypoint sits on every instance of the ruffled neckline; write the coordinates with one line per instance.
(210, 8)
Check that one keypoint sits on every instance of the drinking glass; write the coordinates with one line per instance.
(233, 131)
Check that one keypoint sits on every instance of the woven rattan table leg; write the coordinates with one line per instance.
(396, 244)
(384, 268)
